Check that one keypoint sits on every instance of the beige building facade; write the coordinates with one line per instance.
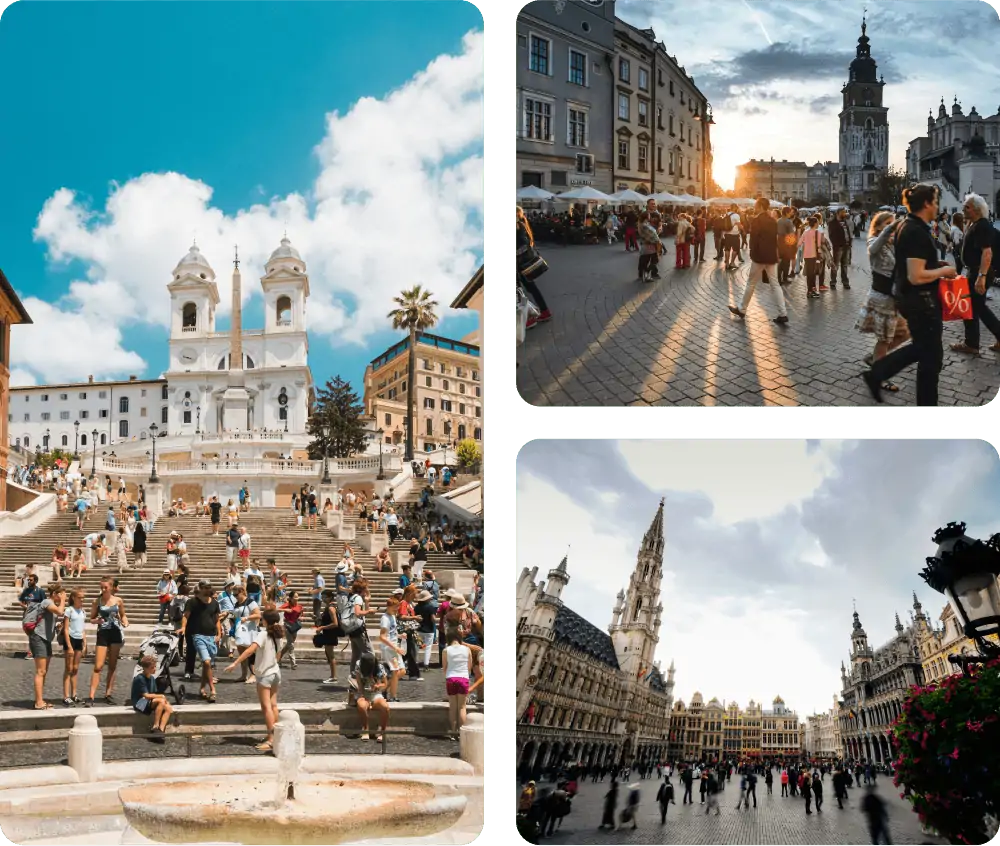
(777, 180)
(449, 392)
(725, 732)
(821, 735)
(12, 312)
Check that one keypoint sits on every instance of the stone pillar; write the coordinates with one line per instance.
(289, 741)
(472, 742)
(373, 542)
(86, 748)
(154, 499)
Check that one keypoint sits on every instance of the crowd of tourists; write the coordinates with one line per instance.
(541, 810)
(251, 617)
(909, 255)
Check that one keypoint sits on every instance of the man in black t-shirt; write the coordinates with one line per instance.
(215, 507)
(977, 256)
(203, 631)
(918, 269)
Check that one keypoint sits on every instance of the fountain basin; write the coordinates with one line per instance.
(245, 810)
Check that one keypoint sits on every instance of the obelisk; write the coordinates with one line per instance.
(236, 400)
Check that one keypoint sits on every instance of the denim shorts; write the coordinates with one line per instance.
(206, 647)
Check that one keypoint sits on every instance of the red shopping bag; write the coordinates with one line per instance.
(956, 303)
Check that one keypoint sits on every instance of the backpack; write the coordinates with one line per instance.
(176, 612)
(32, 617)
(350, 623)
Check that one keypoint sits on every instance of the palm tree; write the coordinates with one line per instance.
(415, 313)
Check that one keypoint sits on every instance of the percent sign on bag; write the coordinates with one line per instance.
(956, 303)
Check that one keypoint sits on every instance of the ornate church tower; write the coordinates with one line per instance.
(864, 127)
(635, 626)
(861, 653)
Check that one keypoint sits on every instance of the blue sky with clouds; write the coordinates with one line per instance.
(135, 127)
(768, 545)
(773, 69)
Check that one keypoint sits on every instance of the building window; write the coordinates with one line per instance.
(659, 159)
(461, 387)
(643, 165)
(623, 106)
(479, 392)
(283, 310)
(388, 420)
(584, 163)
(659, 117)
(689, 136)
(103, 413)
(427, 364)
(123, 428)
(624, 70)
(83, 440)
(445, 405)
(623, 154)
(689, 168)
(104, 438)
(430, 426)
(163, 415)
(102, 394)
(577, 67)
(283, 412)
(187, 416)
(538, 59)
(189, 317)
(84, 415)
(577, 135)
(63, 396)
(46, 416)
(672, 125)
(428, 402)
(83, 394)
(670, 163)
(461, 408)
(537, 119)
(45, 397)
(444, 384)
(64, 415)
(643, 113)
(461, 431)
(123, 405)
(427, 381)
(479, 411)
(27, 419)
(447, 428)
(142, 412)
(643, 79)
(163, 392)
(671, 88)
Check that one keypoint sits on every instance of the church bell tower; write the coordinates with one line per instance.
(864, 127)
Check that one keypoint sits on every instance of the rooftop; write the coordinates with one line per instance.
(571, 629)
(15, 301)
(427, 340)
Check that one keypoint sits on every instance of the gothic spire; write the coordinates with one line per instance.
(653, 539)
(899, 625)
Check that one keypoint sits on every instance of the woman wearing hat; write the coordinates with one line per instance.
(327, 630)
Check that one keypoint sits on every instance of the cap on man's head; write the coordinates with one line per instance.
(205, 584)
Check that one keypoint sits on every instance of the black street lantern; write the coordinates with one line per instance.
(197, 428)
(47, 431)
(93, 467)
(381, 472)
(76, 441)
(325, 432)
(966, 571)
(153, 478)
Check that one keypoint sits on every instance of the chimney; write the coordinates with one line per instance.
(90, 379)
(132, 378)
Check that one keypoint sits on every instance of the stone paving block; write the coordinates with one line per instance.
(679, 330)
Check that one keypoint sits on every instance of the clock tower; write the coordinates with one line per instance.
(864, 127)
(193, 297)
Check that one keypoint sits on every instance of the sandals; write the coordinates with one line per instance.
(364, 736)
(43, 707)
(891, 387)
(264, 747)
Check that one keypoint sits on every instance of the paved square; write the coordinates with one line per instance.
(775, 820)
(616, 341)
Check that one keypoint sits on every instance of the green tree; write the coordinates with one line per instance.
(468, 452)
(415, 314)
(818, 200)
(339, 408)
(889, 190)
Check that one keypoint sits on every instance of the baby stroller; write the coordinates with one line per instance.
(162, 644)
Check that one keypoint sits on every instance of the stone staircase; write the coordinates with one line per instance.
(273, 533)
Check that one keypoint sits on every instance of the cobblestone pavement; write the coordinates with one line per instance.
(616, 341)
(775, 820)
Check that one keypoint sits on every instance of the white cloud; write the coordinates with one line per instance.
(21, 378)
(745, 480)
(398, 200)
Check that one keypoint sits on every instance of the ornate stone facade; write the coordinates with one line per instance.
(718, 731)
(874, 689)
(585, 695)
(821, 740)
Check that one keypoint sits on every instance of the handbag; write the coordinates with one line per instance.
(240, 631)
(530, 262)
(956, 300)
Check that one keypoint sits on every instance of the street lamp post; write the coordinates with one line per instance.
(197, 428)
(47, 433)
(76, 440)
(706, 122)
(381, 472)
(325, 432)
(93, 467)
(772, 177)
(966, 571)
(153, 478)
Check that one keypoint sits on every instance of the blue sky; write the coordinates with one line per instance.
(134, 127)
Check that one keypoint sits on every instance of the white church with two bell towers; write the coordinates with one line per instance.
(270, 365)
(583, 694)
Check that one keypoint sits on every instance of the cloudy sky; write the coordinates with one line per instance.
(773, 69)
(358, 132)
(767, 544)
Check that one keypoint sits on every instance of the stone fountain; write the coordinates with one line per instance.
(289, 808)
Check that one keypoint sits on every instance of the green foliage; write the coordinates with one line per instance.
(468, 452)
(48, 459)
(341, 409)
(889, 191)
(948, 738)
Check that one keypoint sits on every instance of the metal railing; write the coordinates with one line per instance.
(264, 466)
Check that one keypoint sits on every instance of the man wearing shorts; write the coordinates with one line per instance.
(313, 508)
(202, 620)
(232, 543)
(215, 508)
(243, 545)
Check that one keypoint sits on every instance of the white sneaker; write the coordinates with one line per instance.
(330, 681)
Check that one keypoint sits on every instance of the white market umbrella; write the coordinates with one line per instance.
(533, 192)
(777, 204)
(584, 194)
(665, 197)
(886, 208)
(628, 196)
(722, 201)
(691, 200)
(743, 201)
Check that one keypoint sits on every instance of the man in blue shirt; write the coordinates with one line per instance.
(32, 593)
(404, 579)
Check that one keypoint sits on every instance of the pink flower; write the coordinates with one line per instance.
(971, 726)
(953, 754)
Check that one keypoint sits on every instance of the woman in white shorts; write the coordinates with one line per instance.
(392, 653)
(267, 646)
